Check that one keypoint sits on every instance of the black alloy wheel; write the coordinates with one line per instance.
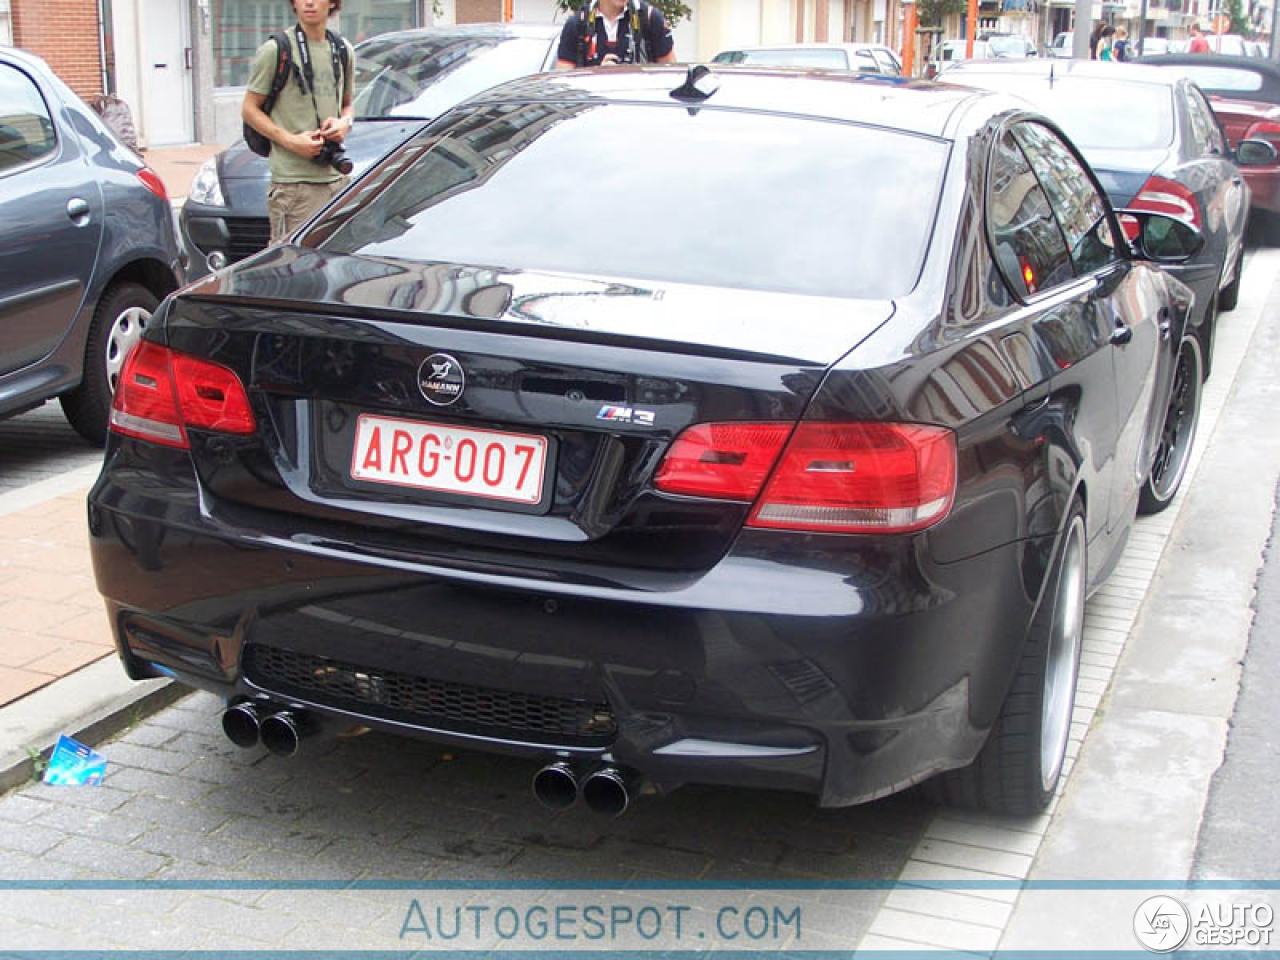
(1018, 768)
(1173, 450)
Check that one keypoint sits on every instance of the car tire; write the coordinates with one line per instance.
(1020, 765)
(118, 323)
(1177, 432)
(1271, 228)
(1230, 294)
(1205, 335)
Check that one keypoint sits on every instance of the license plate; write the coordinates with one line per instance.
(449, 459)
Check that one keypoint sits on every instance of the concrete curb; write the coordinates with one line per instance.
(91, 704)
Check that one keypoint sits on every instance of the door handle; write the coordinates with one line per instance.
(1121, 335)
(78, 210)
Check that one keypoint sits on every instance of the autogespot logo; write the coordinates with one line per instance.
(1161, 924)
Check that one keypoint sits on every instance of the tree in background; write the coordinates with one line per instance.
(673, 10)
(1239, 22)
(931, 12)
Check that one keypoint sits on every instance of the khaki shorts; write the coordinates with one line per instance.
(289, 205)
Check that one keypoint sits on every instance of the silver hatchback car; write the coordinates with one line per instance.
(87, 248)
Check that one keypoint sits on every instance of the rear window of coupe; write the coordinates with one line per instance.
(710, 197)
(1094, 112)
(1221, 79)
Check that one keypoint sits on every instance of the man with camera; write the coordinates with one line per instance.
(309, 119)
(609, 32)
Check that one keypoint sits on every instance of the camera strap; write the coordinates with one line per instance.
(309, 74)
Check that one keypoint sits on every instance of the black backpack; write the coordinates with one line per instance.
(256, 141)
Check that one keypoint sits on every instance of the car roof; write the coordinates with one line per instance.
(1256, 64)
(805, 46)
(912, 106)
(1090, 69)
(23, 57)
(537, 31)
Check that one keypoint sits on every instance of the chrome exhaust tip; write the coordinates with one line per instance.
(556, 786)
(609, 791)
(242, 723)
(282, 732)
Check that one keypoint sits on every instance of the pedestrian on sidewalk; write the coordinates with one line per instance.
(1198, 42)
(609, 32)
(310, 118)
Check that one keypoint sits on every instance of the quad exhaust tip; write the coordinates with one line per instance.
(280, 730)
(608, 790)
(283, 731)
(556, 786)
(242, 723)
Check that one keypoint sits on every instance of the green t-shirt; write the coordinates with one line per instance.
(294, 110)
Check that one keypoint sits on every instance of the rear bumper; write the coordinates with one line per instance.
(850, 679)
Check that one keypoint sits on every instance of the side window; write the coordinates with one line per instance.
(887, 65)
(1025, 238)
(1203, 119)
(26, 130)
(1079, 207)
(865, 62)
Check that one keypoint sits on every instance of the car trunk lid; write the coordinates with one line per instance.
(598, 375)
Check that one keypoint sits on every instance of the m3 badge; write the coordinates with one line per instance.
(617, 414)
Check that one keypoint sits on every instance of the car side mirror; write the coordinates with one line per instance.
(1160, 238)
(1255, 153)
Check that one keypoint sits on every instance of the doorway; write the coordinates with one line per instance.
(166, 72)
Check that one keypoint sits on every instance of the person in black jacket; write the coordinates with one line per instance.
(609, 32)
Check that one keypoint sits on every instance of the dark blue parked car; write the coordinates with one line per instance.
(87, 248)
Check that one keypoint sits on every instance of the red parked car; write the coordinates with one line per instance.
(1244, 93)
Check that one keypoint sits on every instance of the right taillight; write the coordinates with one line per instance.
(1267, 130)
(1161, 195)
(828, 477)
(161, 392)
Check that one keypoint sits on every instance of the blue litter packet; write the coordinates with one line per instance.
(72, 764)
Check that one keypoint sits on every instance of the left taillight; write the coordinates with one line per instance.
(1161, 195)
(161, 392)
(827, 477)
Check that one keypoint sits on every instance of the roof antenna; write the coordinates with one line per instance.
(699, 84)
(1051, 74)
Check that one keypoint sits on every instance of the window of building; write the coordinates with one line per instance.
(6, 27)
(241, 26)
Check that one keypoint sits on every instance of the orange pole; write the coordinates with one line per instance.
(972, 32)
(508, 14)
(909, 40)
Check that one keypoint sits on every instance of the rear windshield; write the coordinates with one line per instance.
(1100, 113)
(723, 198)
(823, 57)
(1220, 79)
(423, 76)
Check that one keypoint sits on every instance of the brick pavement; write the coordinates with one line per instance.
(182, 806)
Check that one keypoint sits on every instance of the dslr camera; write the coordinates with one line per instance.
(332, 154)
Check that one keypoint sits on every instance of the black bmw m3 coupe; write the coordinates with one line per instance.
(749, 428)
